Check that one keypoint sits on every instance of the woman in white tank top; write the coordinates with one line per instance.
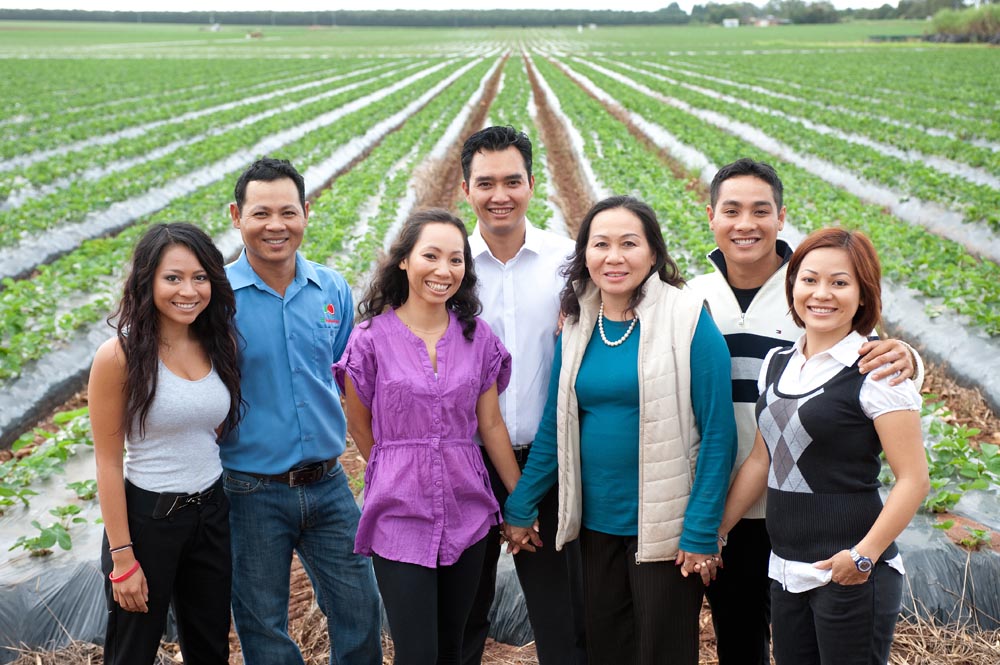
(164, 391)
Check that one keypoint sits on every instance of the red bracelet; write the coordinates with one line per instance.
(124, 576)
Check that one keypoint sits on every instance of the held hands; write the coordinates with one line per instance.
(887, 356)
(132, 593)
(521, 538)
(706, 565)
(844, 570)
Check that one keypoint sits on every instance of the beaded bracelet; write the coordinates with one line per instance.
(124, 576)
(120, 549)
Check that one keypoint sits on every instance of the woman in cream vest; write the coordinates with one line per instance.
(638, 431)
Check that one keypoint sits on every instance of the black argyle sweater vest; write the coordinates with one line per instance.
(822, 483)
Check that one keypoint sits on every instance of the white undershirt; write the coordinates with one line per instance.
(802, 375)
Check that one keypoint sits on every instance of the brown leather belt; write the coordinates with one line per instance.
(300, 475)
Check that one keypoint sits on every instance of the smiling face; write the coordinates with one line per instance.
(181, 288)
(619, 257)
(435, 266)
(271, 222)
(499, 190)
(745, 222)
(826, 296)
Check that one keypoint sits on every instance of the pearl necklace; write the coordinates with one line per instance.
(604, 338)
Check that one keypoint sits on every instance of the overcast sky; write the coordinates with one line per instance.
(327, 5)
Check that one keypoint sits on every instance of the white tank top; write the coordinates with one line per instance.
(178, 452)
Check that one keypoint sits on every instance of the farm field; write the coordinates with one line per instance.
(106, 129)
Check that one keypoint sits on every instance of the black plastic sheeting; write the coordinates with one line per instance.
(66, 602)
(53, 608)
(509, 615)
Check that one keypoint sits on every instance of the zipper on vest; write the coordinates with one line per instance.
(743, 319)
(637, 557)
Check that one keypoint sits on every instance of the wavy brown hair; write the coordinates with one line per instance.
(138, 322)
(389, 287)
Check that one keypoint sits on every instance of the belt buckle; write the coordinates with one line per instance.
(167, 504)
(198, 499)
(305, 475)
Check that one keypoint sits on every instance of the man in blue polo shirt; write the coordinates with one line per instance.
(286, 488)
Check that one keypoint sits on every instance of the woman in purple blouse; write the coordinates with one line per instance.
(421, 376)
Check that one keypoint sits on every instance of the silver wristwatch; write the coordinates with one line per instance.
(863, 563)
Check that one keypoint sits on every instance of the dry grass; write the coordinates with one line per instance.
(920, 643)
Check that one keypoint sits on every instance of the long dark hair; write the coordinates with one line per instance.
(390, 288)
(577, 275)
(138, 324)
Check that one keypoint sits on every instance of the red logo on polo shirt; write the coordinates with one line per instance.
(329, 314)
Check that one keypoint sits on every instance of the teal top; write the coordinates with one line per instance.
(607, 391)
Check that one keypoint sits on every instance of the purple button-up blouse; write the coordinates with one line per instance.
(427, 493)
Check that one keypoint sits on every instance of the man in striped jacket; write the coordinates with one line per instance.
(746, 294)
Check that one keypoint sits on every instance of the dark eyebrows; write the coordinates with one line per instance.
(624, 235)
(755, 204)
(512, 176)
(833, 274)
(435, 248)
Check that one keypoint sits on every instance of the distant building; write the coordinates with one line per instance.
(730, 23)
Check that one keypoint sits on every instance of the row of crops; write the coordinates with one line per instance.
(901, 142)
(103, 134)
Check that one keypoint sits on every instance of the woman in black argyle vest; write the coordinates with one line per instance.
(836, 572)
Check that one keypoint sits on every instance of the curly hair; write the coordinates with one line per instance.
(577, 275)
(390, 288)
(138, 322)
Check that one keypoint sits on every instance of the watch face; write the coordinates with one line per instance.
(862, 563)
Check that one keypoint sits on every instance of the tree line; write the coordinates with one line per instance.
(787, 11)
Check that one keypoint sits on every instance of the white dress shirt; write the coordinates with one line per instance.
(802, 375)
(521, 303)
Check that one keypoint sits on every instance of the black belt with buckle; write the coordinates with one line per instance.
(300, 475)
(159, 505)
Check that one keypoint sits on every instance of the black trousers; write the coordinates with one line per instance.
(423, 602)
(740, 597)
(552, 582)
(185, 558)
(637, 613)
(838, 624)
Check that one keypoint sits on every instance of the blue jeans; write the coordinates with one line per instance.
(268, 520)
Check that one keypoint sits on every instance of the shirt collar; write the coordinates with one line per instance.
(241, 274)
(718, 259)
(844, 352)
(533, 240)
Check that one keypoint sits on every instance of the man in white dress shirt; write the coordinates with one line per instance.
(519, 270)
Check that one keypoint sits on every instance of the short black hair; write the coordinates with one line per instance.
(750, 167)
(495, 139)
(269, 169)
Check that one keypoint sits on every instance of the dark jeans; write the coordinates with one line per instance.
(185, 558)
(837, 624)
(637, 613)
(424, 602)
(740, 597)
(551, 580)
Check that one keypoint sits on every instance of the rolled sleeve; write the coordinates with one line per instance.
(359, 363)
(496, 366)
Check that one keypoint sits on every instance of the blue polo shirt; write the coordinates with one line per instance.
(292, 414)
